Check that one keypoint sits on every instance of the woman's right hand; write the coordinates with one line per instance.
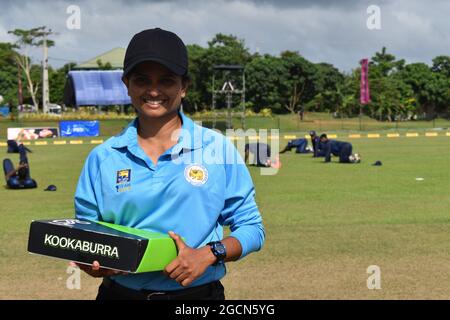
(96, 271)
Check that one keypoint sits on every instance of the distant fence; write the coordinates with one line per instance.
(292, 123)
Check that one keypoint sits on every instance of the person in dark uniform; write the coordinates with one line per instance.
(299, 145)
(340, 149)
(13, 147)
(301, 112)
(315, 140)
(18, 178)
(261, 153)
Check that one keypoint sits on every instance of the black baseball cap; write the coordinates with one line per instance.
(51, 187)
(312, 133)
(157, 45)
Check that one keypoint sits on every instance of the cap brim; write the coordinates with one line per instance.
(169, 65)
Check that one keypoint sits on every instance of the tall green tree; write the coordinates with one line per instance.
(441, 64)
(57, 80)
(383, 64)
(390, 96)
(222, 50)
(27, 39)
(328, 87)
(194, 96)
(298, 83)
(8, 73)
(264, 83)
(430, 88)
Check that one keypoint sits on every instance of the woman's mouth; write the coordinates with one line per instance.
(153, 103)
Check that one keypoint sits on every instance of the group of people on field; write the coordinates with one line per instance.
(321, 147)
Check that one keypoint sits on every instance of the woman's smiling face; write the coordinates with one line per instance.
(154, 90)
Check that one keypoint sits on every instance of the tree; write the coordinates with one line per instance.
(383, 64)
(194, 94)
(298, 82)
(281, 83)
(8, 73)
(430, 88)
(103, 66)
(441, 67)
(390, 96)
(328, 87)
(327, 77)
(26, 40)
(57, 80)
(441, 64)
(222, 49)
(264, 78)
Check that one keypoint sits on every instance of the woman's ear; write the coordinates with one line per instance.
(126, 82)
(184, 87)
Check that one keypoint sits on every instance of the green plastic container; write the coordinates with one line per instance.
(113, 246)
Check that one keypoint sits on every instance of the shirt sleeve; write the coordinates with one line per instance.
(240, 211)
(87, 194)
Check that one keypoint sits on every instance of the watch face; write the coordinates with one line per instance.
(220, 249)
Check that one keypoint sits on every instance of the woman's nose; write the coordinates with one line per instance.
(153, 90)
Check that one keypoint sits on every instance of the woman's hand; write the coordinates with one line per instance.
(96, 271)
(190, 263)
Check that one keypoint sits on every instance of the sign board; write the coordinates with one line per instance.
(79, 128)
(32, 133)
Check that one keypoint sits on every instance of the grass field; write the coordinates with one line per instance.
(325, 224)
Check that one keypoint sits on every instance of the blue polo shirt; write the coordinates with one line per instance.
(198, 186)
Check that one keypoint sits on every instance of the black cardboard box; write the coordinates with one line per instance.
(113, 246)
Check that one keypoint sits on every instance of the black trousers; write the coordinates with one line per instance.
(346, 152)
(111, 290)
(14, 182)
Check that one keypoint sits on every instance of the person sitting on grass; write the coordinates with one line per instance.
(18, 178)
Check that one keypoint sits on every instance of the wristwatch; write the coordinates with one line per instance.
(219, 251)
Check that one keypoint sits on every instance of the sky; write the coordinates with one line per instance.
(335, 32)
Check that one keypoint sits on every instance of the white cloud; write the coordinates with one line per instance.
(333, 32)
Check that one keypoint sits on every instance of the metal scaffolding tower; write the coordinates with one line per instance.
(228, 89)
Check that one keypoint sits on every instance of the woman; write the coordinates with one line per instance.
(165, 173)
(18, 178)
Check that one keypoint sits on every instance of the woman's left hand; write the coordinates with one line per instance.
(190, 263)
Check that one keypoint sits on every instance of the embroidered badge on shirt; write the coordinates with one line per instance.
(196, 174)
(123, 180)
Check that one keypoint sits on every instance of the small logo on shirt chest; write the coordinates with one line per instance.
(123, 180)
(196, 174)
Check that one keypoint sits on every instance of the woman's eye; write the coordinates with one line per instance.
(140, 80)
(167, 81)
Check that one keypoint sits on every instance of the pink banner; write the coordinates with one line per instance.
(364, 97)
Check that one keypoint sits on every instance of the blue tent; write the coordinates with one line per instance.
(95, 88)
